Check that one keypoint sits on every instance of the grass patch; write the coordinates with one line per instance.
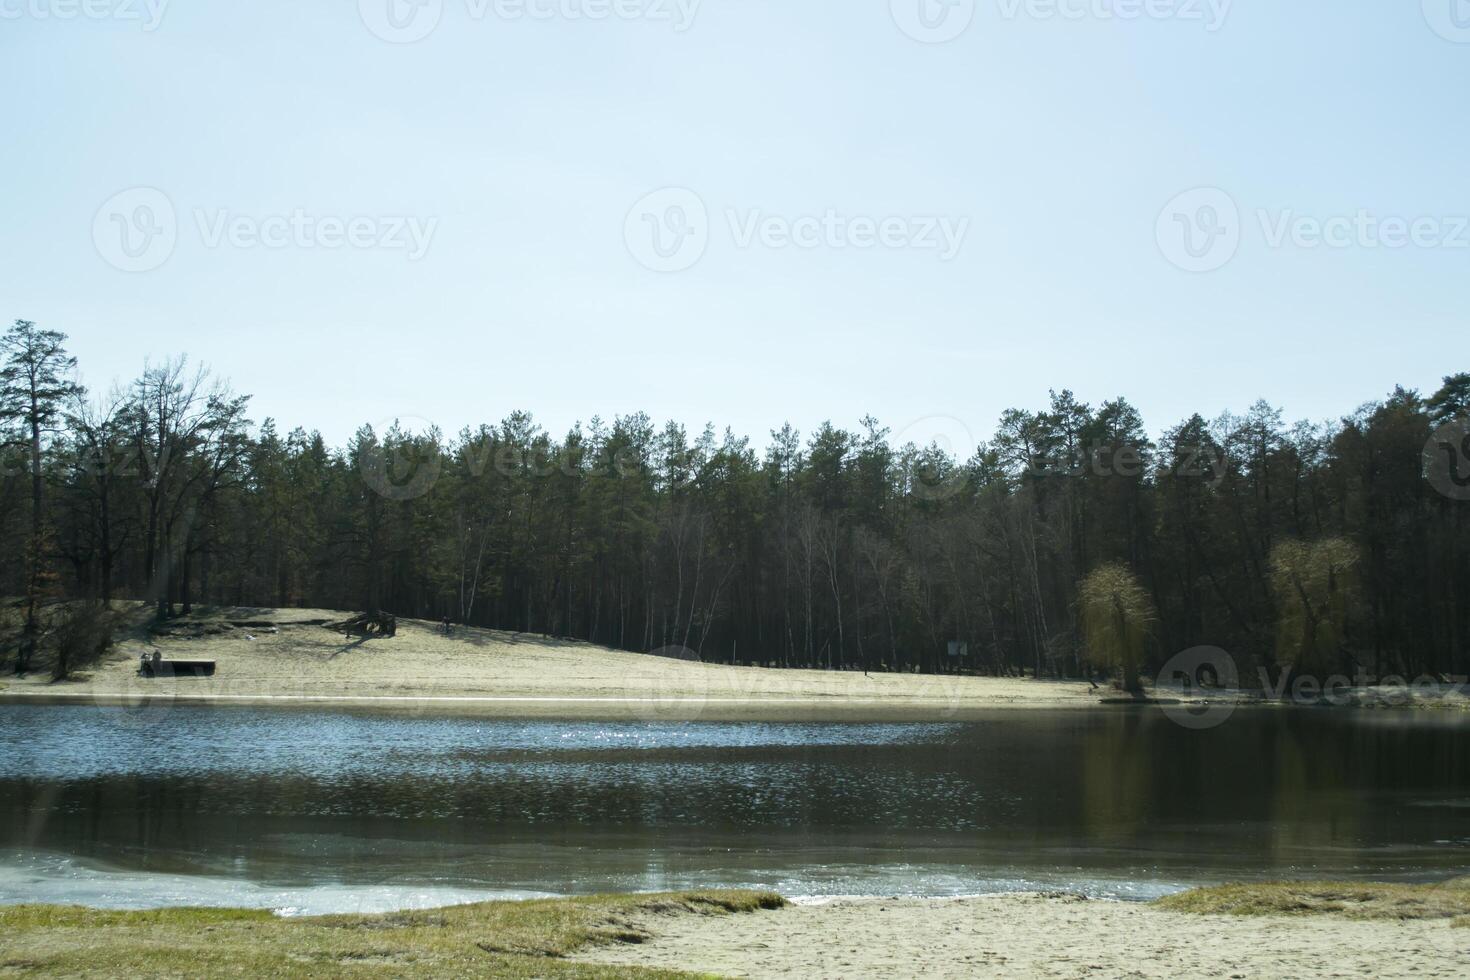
(496, 939)
(1352, 900)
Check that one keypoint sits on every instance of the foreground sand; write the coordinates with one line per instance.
(288, 658)
(1037, 936)
(750, 934)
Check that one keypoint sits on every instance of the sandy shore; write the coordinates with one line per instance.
(286, 658)
(1038, 936)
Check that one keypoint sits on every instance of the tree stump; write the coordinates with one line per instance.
(366, 625)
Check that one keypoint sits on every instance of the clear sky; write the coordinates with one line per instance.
(819, 153)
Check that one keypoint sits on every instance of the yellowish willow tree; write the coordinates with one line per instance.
(1117, 614)
(1314, 584)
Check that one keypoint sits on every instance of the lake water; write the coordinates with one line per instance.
(314, 812)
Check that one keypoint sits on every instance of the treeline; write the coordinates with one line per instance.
(838, 549)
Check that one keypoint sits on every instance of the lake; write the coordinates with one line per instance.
(330, 811)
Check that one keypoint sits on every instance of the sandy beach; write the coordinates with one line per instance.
(755, 934)
(287, 657)
(1036, 936)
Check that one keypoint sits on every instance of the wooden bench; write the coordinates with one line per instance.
(153, 667)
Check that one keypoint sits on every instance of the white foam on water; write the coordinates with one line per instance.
(53, 879)
(819, 886)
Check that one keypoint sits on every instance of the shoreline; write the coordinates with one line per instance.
(1038, 934)
(1272, 931)
(573, 708)
(286, 659)
(161, 695)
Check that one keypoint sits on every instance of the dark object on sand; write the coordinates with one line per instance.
(368, 624)
(156, 666)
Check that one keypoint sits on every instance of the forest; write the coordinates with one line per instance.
(1320, 545)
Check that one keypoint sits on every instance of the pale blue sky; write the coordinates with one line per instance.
(1059, 140)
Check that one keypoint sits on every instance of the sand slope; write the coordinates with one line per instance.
(287, 657)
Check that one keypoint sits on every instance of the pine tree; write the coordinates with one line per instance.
(34, 388)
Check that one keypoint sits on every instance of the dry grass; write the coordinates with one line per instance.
(275, 656)
(284, 655)
(128, 617)
(1351, 900)
(498, 939)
